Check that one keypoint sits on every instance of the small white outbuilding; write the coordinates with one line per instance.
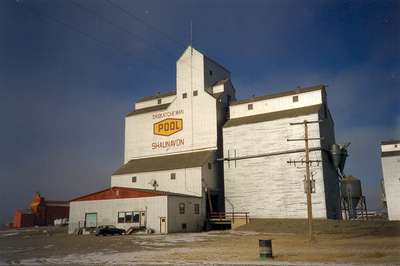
(163, 212)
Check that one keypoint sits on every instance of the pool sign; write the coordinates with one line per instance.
(168, 127)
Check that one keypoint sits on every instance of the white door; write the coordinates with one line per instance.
(142, 219)
(163, 225)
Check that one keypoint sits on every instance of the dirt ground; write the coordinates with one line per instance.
(336, 243)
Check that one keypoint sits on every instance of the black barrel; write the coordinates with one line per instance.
(265, 249)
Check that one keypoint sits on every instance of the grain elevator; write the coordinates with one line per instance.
(197, 150)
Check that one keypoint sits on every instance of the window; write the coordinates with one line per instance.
(250, 106)
(133, 179)
(184, 95)
(210, 72)
(196, 208)
(395, 145)
(181, 208)
(136, 217)
(195, 93)
(295, 98)
(121, 217)
(184, 226)
(209, 165)
(159, 101)
(173, 176)
(129, 217)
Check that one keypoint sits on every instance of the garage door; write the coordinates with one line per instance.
(91, 220)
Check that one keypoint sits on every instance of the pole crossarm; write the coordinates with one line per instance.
(304, 161)
(305, 139)
(306, 122)
(230, 158)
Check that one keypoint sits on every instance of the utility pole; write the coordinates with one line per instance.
(307, 162)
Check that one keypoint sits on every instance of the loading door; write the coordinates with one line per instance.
(90, 220)
(163, 225)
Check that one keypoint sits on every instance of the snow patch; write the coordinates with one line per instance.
(10, 234)
(101, 258)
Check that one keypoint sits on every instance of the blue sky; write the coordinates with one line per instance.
(71, 70)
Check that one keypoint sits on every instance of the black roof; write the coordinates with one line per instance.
(280, 94)
(273, 116)
(167, 162)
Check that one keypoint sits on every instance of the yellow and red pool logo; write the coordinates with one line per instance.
(168, 127)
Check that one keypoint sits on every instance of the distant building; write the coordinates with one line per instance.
(390, 158)
(41, 212)
(177, 145)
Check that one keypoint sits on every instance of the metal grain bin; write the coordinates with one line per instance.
(351, 192)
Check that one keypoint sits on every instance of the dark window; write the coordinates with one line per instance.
(181, 208)
(210, 72)
(184, 226)
(295, 98)
(136, 217)
(196, 208)
(195, 93)
(159, 101)
(395, 145)
(209, 165)
(250, 106)
(184, 95)
(121, 217)
(128, 217)
(173, 176)
(133, 179)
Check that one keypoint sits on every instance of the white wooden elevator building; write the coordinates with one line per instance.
(202, 151)
(390, 158)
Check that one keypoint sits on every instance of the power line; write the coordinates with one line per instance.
(120, 28)
(166, 35)
(89, 36)
(136, 36)
(135, 17)
(121, 51)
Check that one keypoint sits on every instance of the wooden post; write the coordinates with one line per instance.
(308, 181)
(308, 162)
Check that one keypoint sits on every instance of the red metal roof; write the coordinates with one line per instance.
(120, 193)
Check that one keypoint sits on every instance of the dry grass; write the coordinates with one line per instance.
(372, 242)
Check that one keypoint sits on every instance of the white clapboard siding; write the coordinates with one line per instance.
(268, 187)
(391, 177)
